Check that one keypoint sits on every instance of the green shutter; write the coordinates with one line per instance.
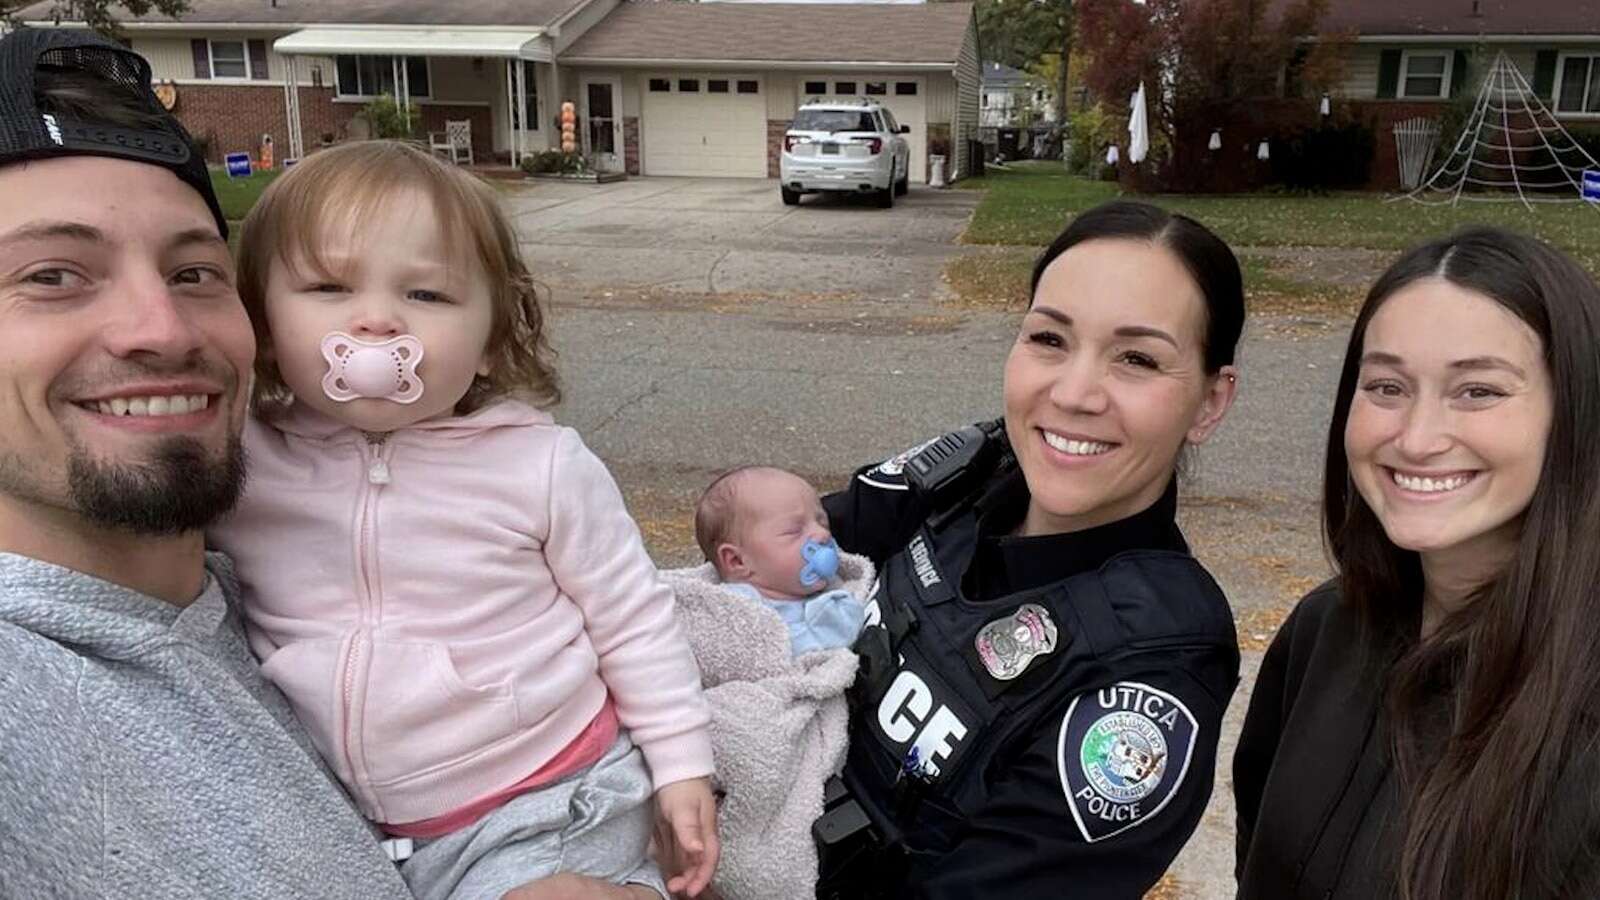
(1388, 74)
(1460, 71)
(1544, 75)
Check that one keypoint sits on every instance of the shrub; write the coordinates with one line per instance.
(1329, 157)
(388, 120)
(554, 162)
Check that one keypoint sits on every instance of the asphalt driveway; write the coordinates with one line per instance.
(716, 236)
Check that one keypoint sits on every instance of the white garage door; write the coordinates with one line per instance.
(903, 96)
(706, 125)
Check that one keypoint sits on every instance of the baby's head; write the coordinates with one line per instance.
(754, 524)
(358, 247)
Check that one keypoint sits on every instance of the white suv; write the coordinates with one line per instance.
(845, 145)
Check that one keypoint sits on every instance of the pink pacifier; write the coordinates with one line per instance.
(382, 370)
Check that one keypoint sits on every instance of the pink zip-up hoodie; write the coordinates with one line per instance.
(446, 606)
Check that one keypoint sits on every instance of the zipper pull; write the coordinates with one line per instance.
(378, 469)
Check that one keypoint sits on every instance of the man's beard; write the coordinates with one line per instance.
(181, 489)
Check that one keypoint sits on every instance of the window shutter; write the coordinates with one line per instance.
(258, 60)
(202, 58)
(1544, 75)
(1459, 73)
(1388, 74)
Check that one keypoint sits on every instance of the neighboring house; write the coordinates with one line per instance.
(1012, 98)
(1413, 58)
(661, 88)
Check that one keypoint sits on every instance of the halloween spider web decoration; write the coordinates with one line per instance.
(1494, 160)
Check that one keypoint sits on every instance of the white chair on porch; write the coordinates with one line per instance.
(455, 141)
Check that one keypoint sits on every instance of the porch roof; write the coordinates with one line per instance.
(514, 43)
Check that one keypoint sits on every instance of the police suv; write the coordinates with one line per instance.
(845, 144)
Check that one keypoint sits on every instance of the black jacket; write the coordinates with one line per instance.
(1011, 828)
(1316, 795)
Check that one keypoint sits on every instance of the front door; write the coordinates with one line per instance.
(602, 102)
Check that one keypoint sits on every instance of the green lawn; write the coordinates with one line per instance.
(1028, 204)
(237, 195)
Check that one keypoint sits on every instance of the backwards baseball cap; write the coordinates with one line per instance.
(29, 132)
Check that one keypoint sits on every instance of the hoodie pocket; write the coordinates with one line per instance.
(420, 714)
(307, 673)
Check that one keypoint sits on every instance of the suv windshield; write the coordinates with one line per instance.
(832, 120)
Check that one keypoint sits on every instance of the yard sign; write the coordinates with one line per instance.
(238, 165)
(1591, 186)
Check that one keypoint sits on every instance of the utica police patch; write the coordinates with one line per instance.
(1123, 751)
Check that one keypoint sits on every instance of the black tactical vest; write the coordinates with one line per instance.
(949, 688)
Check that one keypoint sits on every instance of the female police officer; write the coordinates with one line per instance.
(1046, 667)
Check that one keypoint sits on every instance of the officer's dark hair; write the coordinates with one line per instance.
(1492, 717)
(1207, 257)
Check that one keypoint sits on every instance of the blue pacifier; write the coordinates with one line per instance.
(822, 562)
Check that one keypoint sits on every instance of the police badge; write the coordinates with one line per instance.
(1122, 753)
(1007, 645)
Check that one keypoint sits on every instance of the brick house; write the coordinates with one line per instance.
(1414, 58)
(661, 88)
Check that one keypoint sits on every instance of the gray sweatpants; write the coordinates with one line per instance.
(594, 822)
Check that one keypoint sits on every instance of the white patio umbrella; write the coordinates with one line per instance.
(1138, 129)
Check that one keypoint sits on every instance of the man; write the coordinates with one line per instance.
(141, 753)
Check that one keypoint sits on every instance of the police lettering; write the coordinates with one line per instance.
(922, 563)
(909, 703)
(1105, 810)
(1123, 696)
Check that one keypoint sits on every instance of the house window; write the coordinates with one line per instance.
(877, 88)
(844, 88)
(749, 87)
(368, 76)
(816, 88)
(530, 110)
(688, 85)
(905, 88)
(1424, 75)
(717, 86)
(660, 85)
(228, 60)
(1578, 90)
(985, 99)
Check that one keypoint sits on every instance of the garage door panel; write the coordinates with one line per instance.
(702, 133)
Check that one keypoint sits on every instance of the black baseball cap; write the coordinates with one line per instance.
(28, 132)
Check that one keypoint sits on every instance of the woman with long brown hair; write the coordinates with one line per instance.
(1425, 725)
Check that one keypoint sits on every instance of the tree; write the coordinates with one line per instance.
(1024, 34)
(1199, 59)
(99, 14)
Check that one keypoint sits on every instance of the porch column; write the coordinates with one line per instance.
(522, 103)
(511, 110)
(404, 83)
(291, 109)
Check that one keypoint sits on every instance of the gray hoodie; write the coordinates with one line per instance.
(143, 755)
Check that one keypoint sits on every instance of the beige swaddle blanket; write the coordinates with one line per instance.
(779, 728)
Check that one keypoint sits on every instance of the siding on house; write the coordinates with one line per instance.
(968, 81)
(1360, 80)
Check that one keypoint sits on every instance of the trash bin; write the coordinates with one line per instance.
(1010, 139)
(936, 171)
(975, 153)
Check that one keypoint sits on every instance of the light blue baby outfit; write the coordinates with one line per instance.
(823, 621)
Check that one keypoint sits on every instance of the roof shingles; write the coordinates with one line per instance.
(930, 33)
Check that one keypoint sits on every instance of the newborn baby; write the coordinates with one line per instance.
(766, 533)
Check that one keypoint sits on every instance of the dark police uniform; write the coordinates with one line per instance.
(1035, 716)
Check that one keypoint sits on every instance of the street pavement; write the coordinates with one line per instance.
(702, 325)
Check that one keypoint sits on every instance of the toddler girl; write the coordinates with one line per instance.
(444, 583)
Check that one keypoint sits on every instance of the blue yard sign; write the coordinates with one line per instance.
(1591, 186)
(238, 165)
